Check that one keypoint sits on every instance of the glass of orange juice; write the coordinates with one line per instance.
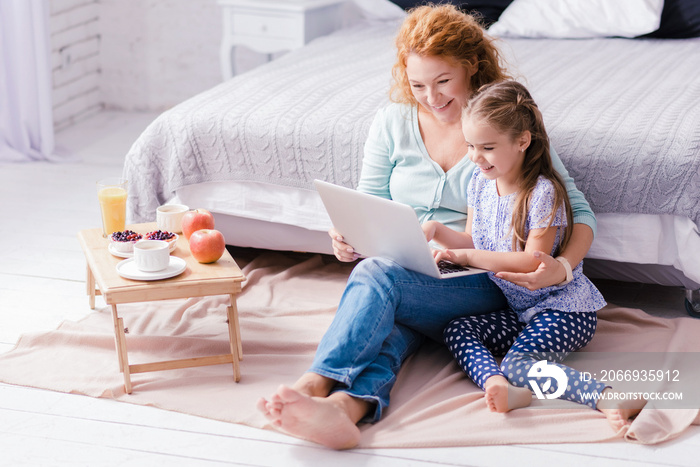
(111, 193)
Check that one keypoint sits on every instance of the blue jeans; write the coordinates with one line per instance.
(384, 315)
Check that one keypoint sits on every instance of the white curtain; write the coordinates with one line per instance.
(26, 121)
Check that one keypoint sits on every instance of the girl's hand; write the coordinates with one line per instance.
(549, 272)
(429, 229)
(342, 250)
(454, 256)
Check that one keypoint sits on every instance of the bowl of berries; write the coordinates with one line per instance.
(122, 243)
(169, 237)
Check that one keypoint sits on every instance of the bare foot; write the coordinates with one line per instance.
(619, 412)
(502, 397)
(323, 420)
(310, 384)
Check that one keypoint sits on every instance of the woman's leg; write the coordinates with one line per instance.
(474, 342)
(322, 410)
(330, 420)
(382, 318)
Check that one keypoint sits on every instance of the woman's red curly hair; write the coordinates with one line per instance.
(444, 31)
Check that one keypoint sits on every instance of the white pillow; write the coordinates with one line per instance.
(380, 10)
(576, 19)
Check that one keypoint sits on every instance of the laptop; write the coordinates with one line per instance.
(377, 226)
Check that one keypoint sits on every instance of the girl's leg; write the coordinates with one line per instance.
(552, 335)
(619, 412)
(474, 341)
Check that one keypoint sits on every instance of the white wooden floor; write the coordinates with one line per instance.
(42, 275)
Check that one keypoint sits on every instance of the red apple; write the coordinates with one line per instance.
(207, 245)
(196, 220)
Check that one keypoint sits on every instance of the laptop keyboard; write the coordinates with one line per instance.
(447, 267)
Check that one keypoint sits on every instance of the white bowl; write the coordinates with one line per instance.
(172, 242)
(124, 247)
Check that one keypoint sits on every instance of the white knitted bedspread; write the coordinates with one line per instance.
(624, 116)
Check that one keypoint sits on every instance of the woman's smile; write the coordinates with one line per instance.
(438, 86)
(442, 107)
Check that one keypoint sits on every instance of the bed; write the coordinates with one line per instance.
(623, 114)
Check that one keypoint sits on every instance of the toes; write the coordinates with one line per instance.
(617, 419)
(271, 410)
(490, 404)
(275, 409)
(261, 405)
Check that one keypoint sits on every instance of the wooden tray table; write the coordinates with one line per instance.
(223, 277)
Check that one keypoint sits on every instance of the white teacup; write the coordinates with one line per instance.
(151, 255)
(169, 217)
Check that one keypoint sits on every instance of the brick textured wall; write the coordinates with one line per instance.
(75, 60)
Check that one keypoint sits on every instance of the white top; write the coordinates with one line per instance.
(491, 230)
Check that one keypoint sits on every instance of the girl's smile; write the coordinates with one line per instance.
(497, 155)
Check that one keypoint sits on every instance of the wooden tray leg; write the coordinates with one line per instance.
(120, 339)
(234, 335)
(238, 326)
(90, 284)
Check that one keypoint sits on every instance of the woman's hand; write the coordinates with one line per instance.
(549, 272)
(342, 250)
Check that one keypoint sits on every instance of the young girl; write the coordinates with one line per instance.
(518, 205)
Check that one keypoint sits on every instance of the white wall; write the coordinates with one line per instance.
(157, 53)
(133, 55)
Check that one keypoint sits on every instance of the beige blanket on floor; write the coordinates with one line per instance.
(287, 303)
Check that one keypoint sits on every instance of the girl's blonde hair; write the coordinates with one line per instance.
(444, 31)
(509, 108)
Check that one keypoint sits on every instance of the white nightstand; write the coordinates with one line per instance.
(269, 26)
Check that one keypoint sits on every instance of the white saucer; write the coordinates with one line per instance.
(128, 269)
(120, 254)
(124, 254)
